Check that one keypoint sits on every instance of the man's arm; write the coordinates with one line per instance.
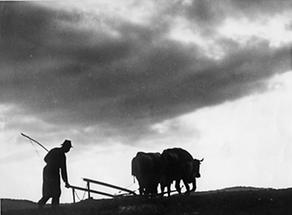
(64, 172)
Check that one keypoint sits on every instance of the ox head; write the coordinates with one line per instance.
(196, 165)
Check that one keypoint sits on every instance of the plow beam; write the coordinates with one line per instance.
(91, 191)
(109, 185)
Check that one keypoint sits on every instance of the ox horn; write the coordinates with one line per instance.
(201, 159)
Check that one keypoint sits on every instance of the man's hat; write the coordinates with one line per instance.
(67, 143)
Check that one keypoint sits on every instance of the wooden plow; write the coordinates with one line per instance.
(89, 190)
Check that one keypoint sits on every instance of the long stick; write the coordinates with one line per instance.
(35, 141)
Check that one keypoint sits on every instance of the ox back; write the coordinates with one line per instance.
(146, 168)
(178, 164)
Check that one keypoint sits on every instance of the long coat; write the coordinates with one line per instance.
(56, 161)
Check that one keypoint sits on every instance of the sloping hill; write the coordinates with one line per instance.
(225, 202)
(9, 204)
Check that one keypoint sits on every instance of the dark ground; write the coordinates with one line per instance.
(232, 201)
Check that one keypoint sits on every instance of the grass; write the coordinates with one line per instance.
(226, 202)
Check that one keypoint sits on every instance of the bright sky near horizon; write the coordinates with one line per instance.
(122, 76)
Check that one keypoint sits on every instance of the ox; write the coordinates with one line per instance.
(146, 168)
(177, 165)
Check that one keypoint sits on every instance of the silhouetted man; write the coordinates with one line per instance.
(56, 161)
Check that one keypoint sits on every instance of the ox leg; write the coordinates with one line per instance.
(141, 190)
(141, 187)
(155, 188)
(168, 189)
(187, 186)
(165, 184)
(177, 186)
(162, 186)
(194, 185)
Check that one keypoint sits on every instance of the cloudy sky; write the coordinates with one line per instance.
(122, 76)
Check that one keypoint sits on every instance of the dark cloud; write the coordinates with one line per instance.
(207, 14)
(258, 7)
(72, 76)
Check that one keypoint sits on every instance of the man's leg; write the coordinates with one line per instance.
(56, 190)
(55, 201)
(45, 194)
(43, 201)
